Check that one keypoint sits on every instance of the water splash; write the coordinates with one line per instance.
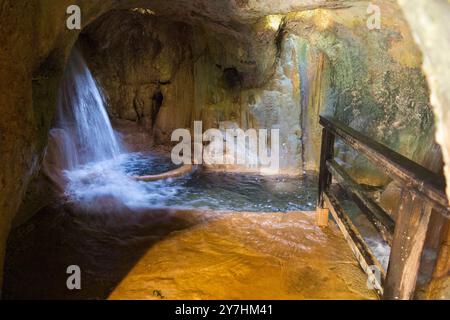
(98, 175)
(82, 115)
(380, 249)
(89, 152)
(106, 186)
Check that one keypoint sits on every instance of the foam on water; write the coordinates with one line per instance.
(91, 155)
(381, 250)
(99, 173)
(108, 180)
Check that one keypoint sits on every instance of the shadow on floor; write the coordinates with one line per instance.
(105, 243)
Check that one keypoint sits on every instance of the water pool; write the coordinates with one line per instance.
(240, 192)
(225, 191)
(145, 163)
(197, 190)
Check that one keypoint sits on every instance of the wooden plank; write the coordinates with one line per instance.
(327, 153)
(409, 239)
(362, 252)
(442, 267)
(374, 213)
(410, 174)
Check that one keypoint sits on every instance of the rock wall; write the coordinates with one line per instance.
(281, 72)
(428, 20)
(429, 24)
(145, 68)
(34, 46)
(374, 83)
(197, 73)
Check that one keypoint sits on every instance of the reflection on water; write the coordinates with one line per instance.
(242, 192)
(200, 189)
(146, 163)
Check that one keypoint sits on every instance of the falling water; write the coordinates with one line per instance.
(97, 175)
(85, 147)
(89, 136)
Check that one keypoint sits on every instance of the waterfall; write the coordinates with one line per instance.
(81, 114)
(84, 158)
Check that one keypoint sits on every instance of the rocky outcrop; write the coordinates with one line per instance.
(373, 82)
(280, 71)
(145, 69)
(429, 24)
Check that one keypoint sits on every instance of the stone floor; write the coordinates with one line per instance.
(248, 256)
(180, 254)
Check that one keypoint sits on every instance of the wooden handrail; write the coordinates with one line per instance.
(410, 174)
(363, 254)
(376, 215)
(422, 193)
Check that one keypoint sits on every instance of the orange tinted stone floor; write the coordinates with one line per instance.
(248, 256)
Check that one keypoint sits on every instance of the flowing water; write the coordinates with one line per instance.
(91, 153)
(227, 191)
(185, 237)
(91, 183)
(82, 115)
(97, 168)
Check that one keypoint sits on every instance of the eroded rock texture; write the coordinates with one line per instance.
(429, 24)
(258, 64)
(277, 71)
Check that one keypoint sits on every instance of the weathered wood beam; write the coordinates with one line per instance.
(441, 270)
(442, 267)
(409, 239)
(363, 254)
(374, 213)
(410, 174)
(327, 153)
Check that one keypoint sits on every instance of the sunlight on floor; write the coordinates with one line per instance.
(248, 256)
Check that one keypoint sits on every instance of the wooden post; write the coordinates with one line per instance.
(442, 268)
(322, 216)
(327, 153)
(406, 252)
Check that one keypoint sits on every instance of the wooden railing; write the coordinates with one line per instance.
(423, 193)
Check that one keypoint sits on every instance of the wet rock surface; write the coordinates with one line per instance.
(181, 255)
